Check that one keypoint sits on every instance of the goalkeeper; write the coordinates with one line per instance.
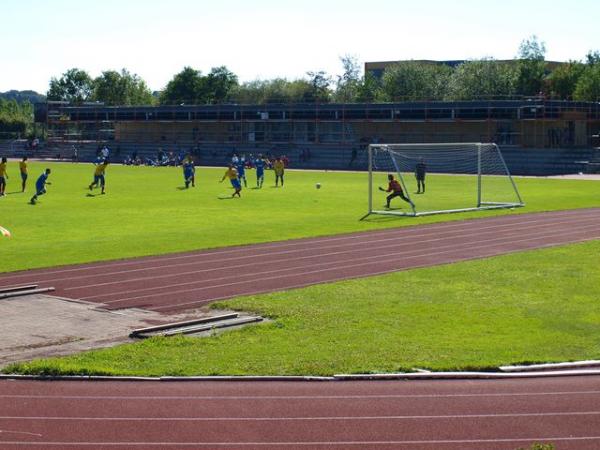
(396, 191)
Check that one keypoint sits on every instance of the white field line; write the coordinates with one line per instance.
(315, 240)
(178, 398)
(349, 277)
(411, 242)
(403, 256)
(292, 419)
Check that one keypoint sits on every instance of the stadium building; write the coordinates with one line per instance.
(537, 136)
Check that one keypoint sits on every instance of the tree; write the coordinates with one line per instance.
(348, 84)
(532, 66)
(319, 92)
(563, 80)
(74, 86)
(588, 84)
(592, 57)
(412, 80)
(16, 118)
(186, 87)
(484, 78)
(219, 84)
(114, 88)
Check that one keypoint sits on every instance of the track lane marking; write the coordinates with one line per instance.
(318, 255)
(342, 267)
(313, 240)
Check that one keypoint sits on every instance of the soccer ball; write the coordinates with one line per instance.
(318, 185)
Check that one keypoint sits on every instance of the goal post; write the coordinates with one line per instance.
(454, 177)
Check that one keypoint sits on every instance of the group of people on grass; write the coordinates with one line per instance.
(40, 184)
(236, 173)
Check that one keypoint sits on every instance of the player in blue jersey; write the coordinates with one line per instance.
(260, 163)
(241, 170)
(40, 186)
(189, 172)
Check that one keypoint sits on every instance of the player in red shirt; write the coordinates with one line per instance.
(396, 191)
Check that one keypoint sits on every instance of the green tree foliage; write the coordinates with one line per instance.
(561, 83)
(588, 84)
(319, 92)
(74, 86)
(185, 88)
(348, 84)
(219, 84)
(484, 78)
(15, 118)
(190, 87)
(414, 81)
(532, 66)
(278, 90)
(121, 88)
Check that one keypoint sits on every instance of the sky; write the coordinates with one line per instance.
(263, 39)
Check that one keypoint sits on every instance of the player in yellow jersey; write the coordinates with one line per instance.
(99, 176)
(3, 176)
(23, 169)
(232, 174)
(278, 167)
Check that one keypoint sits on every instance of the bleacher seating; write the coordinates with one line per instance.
(521, 161)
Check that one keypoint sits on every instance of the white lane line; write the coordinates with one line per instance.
(337, 278)
(293, 419)
(351, 266)
(593, 212)
(303, 443)
(260, 276)
(398, 235)
(398, 243)
(296, 397)
(27, 433)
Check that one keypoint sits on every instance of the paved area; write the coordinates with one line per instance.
(40, 325)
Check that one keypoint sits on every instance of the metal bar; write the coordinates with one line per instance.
(478, 175)
(18, 288)
(509, 175)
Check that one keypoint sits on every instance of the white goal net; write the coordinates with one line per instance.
(422, 179)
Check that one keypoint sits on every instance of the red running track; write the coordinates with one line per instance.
(417, 415)
(172, 283)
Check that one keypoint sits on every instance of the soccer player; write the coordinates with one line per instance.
(278, 167)
(40, 186)
(23, 169)
(232, 174)
(99, 176)
(3, 176)
(259, 163)
(396, 191)
(420, 171)
(189, 172)
(241, 170)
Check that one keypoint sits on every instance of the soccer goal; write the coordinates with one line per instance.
(455, 178)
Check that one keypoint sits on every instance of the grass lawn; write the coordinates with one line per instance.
(535, 306)
(147, 212)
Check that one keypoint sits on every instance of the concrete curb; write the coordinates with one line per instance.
(552, 366)
(465, 375)
(340, 377)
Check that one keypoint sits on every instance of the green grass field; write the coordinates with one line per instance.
(146, 212)
(535, 306)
